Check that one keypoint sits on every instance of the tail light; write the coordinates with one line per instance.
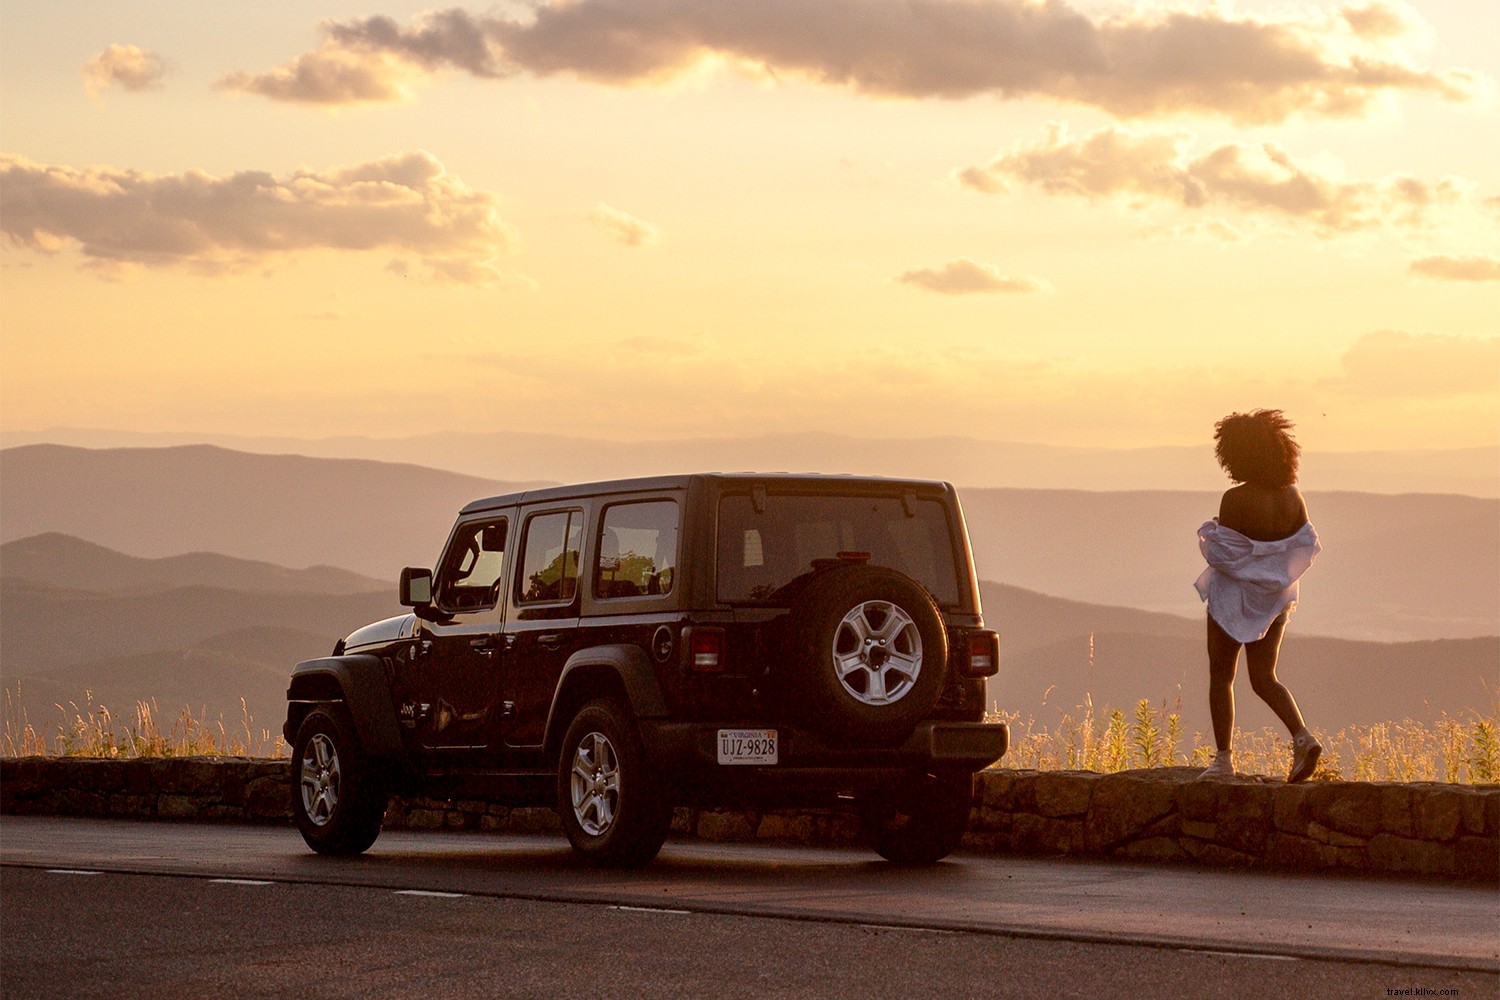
(706, 650)
(983, 658)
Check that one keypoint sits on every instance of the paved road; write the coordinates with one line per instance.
(709, 918)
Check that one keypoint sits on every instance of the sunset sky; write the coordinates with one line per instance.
(1065, 223)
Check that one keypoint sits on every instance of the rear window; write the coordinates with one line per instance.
(762, 552)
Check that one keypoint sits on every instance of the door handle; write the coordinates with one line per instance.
(551, 640)
(484, 645)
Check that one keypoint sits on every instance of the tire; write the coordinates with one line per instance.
(871, 652)
(337, 798)
(923, 821)
(614, 810)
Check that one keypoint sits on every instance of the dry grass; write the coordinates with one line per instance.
(1455, 750)
(95, 731)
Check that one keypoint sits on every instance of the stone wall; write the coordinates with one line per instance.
(1161, 814)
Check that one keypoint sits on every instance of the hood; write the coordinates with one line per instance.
(378, 633)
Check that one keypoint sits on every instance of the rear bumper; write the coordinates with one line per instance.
(809, 768)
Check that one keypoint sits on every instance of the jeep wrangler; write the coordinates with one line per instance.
(618, 649)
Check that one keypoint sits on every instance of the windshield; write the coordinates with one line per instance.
(762, 552)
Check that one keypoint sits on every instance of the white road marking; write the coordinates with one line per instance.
(71, 871)
(240, 881)
(908, 930)
(651, 909)
(434, 895)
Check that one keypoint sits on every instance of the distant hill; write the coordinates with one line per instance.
(1408, 567)
(64, 561)
(1056, 653)
(966, 461)
(369, 517)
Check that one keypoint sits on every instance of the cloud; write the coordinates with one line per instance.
(1458, 268)
(1139, 62)
(1395, 364)
(1162, 168)
(966, 277)
(623, 227)
(123, 66)
(405, 203)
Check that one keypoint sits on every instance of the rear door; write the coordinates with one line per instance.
(542, 620)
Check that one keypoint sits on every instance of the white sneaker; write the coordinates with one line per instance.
(1305, 752)
(1222, 767)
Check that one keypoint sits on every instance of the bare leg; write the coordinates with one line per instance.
(1223, 654)
(1260, 661)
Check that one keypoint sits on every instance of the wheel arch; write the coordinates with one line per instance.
(619, 671)
(358, 682)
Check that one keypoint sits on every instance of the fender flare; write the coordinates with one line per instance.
(360, 683)
(630, 664)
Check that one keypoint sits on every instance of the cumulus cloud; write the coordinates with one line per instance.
(1445, 268)
(1139, 62)
(405, 203)
(968, 277)
(623, 227)
(1163, 168)
(1396, 364)
(125, 66)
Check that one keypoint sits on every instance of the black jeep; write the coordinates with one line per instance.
(616, 649)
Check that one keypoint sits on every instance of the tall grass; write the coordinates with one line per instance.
(1462, 750)
(94, 731)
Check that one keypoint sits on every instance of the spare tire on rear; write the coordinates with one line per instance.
(869, 653)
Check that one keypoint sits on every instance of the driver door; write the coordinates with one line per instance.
(457, 677)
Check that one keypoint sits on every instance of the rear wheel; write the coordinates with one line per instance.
(615, 812)
(922, 820)
(337, 799)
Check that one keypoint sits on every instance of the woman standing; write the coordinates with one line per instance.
(1257, 548)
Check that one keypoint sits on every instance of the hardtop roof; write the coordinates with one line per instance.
(648, 484)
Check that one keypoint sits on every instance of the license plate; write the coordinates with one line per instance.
(747, 746)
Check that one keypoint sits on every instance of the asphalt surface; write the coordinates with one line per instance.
(184, 909)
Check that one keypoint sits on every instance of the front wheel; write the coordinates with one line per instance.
(338, 802)
(921, 821)
(614, 811)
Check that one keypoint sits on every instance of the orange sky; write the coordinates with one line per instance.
(1070, 224)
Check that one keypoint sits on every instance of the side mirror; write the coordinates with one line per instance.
(416, 587)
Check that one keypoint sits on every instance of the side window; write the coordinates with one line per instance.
(637, 551)
(469, 574)
(549, 568)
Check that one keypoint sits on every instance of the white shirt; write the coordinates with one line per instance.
(1248, 583)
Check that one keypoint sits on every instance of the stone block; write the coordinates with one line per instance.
(799, 828)
(725, 825)
(1216, 855)
(1032, 834)
(1289, 808)
(185, 776)
(268, 798)
(1389, 853)
(1124, 805)
(1347, 807)
(1198, 829)
(1245, 817)
(1317, 831)
(1438, 813)
(74, 802)
(1285, 850)
(535, 819)
(1474, 813)
(1064, 793)
(426, 819)
(126, 804)
(172, 806)
(1396, 810)
(684, 820)
(1477, 858)
(1199, 800)
(234, 775)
